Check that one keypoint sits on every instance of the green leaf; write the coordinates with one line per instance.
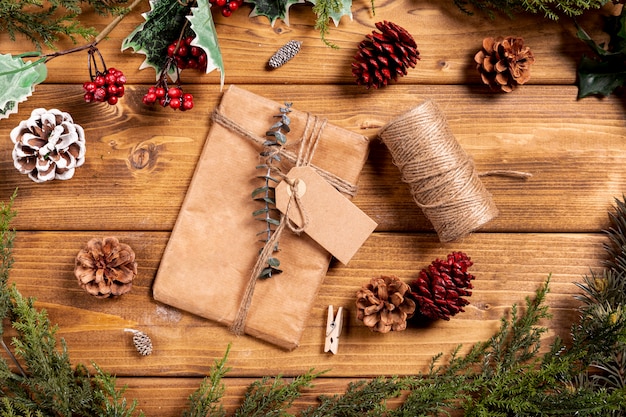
(17, 81)
(273, 262)
(599, 77)
(273, 9)
(202, 24)
(164, 24)
(334, 9)
(260, 190)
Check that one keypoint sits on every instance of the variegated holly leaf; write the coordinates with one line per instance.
(334, 9)
(273, 9)
(202, 24)
(17, 80)
(163, 25)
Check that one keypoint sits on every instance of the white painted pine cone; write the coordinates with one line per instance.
(48, 145)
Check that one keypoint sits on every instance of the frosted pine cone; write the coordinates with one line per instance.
(105, 267)
(384, 56)
(383, 304)
(284, 54)
(504, 63)
(439, 289)
(49, 145)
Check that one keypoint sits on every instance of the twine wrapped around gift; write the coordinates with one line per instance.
(306, 149)
(442, 178)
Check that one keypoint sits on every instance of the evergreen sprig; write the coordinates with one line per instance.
(270, 158)
(551, 9)
(43, 22)
(506, 375)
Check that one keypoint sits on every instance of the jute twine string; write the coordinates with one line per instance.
(441, 176)
(314, 128)
(339, 183)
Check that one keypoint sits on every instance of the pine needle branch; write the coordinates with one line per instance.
(205, 401)
(270, 397)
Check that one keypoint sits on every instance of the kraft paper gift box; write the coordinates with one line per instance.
(214, 245)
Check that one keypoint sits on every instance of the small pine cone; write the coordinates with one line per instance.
(439, 289)
(284, 54)
(49, 145)
(142, 342)
(383, 304)
(504, 63)
(384, 56)
(105, 267)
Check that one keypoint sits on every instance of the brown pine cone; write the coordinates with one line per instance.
(439, 289)
(49, 145)
(384, 56)
(105, 267)
(383, 304)
(504, 63)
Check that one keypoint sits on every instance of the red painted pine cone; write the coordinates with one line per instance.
(439, 289)
(384, 56)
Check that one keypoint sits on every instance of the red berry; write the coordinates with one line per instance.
(174, 92)
(187, 97)
(150, 98)
(99, 80)
(110, 78)
(89, 86)
(220, 3)
(120, 91)
(192, 64)
(233, 5)
(188, 40)
(163, 102)
(100, 94)
(88, 97)
(152, 90)
(195, 51)
(226, 12)
(112, 90)
(120, 79)
(175, 103)
(187, 105)
(159, 92)
(182, 50)
(171, 50)
(112, 100)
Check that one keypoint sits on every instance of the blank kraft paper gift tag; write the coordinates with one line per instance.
(325, 214)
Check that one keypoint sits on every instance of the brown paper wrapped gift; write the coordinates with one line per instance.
(207, 264)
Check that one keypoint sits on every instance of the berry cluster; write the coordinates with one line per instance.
(227, 6)
(105, 86)
(186, 55)
(172, 97)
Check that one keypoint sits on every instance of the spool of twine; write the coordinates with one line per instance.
(442, 178)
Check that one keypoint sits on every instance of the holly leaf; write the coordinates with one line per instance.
(202, 24)
(334, 9)
(273, 9)
(599, 77)
(163, 25)
(18, 79)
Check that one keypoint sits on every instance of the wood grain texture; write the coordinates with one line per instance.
(140, 161)
(508, 268)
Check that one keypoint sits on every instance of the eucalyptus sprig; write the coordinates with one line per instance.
(270, 158)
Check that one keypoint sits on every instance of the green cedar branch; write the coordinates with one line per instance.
(43, 22)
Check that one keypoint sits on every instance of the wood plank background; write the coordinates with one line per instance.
(140, 161)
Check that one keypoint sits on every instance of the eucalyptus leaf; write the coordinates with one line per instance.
(260, 190)
(18, 79)
(273, 262)
(202, 24)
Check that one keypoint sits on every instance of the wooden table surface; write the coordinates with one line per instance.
(140, 162)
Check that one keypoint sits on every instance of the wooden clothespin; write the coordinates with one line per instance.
(333, 330)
